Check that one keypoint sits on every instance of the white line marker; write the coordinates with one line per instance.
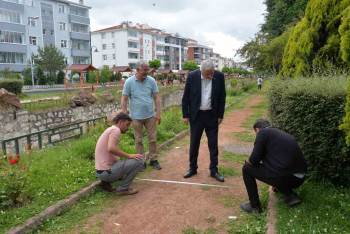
(186, 183)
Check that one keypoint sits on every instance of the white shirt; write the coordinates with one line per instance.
(260, 81)
(206, 94)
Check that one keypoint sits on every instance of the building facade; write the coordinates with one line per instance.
(198, 52)
(26, 25)
(127, 43)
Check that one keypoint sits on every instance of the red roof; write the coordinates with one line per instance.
(121, 69)
(81, 67)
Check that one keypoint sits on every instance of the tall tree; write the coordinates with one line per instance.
(190, 65)
(154, 63)
(317, 41)
(280, 14)
(50, 60)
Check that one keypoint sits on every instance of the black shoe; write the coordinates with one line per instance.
(155, 164)
(217, 176)
(190, 173)
(292, 200)
(247, 207)
(106, 186)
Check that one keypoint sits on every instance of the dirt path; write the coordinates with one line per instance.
(163, 208)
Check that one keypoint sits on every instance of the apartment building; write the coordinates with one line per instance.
(127, 43)
(26, 25)
(198, 52)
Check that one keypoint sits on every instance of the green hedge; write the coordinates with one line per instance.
(13, 86)
(312, 110)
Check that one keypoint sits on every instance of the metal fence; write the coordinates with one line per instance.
(51, 136)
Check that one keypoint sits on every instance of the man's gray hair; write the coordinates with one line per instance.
(141, 63)
(207, 65)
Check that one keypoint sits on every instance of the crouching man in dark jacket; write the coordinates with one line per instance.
(276, 160)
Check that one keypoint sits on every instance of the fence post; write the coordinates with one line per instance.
(3, 145)
(29, 143)
(17, 146)
(40, 143)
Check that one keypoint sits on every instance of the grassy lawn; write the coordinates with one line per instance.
(325, 209)
(65, 97)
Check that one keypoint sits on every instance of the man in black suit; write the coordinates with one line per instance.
(276, 160)
(203, 106)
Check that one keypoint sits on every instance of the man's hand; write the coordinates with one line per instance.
(219, 121)
(158, 119)
(186, 120)
(136, 156)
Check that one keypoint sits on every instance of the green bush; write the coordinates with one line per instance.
(312, 110)
(13, 86)
(12, 184)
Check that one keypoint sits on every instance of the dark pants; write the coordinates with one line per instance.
(284, 184)
(208, 122)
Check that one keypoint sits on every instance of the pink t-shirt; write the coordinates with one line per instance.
(104, 159)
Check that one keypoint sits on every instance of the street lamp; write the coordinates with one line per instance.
(30, 18)
(96, 50)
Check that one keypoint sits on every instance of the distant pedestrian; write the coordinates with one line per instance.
(260, 81)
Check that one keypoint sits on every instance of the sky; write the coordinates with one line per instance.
(224, 25)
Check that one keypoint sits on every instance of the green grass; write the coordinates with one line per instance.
(56, 172)
(250, 223)
(244, 136)
(325, 209)
(233, 157)
(228, 171)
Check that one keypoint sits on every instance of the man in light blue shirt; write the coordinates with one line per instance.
(141, 91)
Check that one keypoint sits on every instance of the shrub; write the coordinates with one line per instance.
(13, 86)
(12, 184)
(311, 110)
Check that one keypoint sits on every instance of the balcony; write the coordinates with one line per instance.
(80, 36)
(81, 53)
(79, 19)
(18, 48)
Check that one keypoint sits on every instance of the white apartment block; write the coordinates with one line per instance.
(126, 44)
(26, 25)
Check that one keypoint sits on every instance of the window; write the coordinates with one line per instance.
(104, 57)
(79, 11)
(63, 43)
(103, 35)
(112, 34)
(80, 45)
(113, 45)
(12, 57)
(61, 8)
(51, 32)
(11, 37)
(133, 55)
(44, 31)
(104, 46)
(113, 56)
(132, 44)
(10, 16)
(132, 33)
(31, 22)
(32, 40)
(80, 28)
(81, 60)
(62, 26)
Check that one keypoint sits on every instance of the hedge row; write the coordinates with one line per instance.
(13, 86)
(312, 110)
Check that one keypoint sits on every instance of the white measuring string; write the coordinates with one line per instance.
(185, 183)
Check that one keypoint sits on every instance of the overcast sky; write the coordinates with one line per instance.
(222, 24)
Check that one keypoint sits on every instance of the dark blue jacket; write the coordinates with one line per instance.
(191, 99)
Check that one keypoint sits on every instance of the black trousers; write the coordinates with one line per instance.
(208, 122)
(284, 184)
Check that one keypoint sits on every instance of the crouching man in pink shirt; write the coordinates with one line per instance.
(109, 166)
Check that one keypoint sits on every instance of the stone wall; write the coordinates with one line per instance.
(19, 123)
